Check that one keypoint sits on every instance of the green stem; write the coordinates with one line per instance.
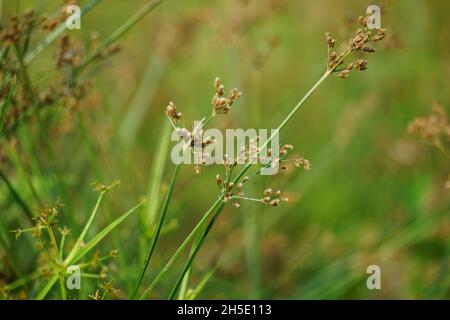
(56, 33)
(62, 286)
(80, 239)
(195, 251)
(16, 196)
(181, 248)
(156, 235)
(119, 33)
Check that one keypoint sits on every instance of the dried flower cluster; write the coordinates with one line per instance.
(272, 198)
(249, 153)
(221, 104)
(49, 23)
(67, 56)
(303, 163)
(358, 43)
(46, 219)
(24, 98)
(283, 160)
(172, 113)
(230, 189)
(100, 187)
(435, 130)
(19, 27)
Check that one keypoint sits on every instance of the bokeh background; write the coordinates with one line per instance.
(375, 194)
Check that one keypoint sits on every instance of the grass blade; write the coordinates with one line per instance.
(157, 233)
(156, 178)
(75, 257)
(56, 33)
(193, 295)
(141, 103)
(195, 251)
(181, 248)
(116, 35)
(94, 241)
(83, 233)
(16, 196)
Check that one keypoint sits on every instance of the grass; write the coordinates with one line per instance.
(374, 194)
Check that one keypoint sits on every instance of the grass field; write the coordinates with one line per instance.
(86, 176)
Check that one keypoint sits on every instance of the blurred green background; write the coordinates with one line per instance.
(374, 195)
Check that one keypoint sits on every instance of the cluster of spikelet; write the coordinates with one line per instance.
(360, 42)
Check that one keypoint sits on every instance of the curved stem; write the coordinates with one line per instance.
(156, 235)
(182, 247)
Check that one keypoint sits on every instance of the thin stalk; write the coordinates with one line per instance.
(157, 233)
(26, 79)
(185, 279)
(25, 280)
(56, 33)
(78, 243)
(442, 148)
(181, 248)
(16, 196)
(28, 33)
(5, 106)
(285, 121)
(195, 251)
(119, 32)
(184, 285)
(61, 246)
(24, 171)
(35, 104)
(9, 257)
(62, 287)
(193, 295)
(154, 184)
(53, 241)
(141, 102)
(251, 221)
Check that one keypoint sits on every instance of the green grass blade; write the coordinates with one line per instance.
(5, 107)
(95, 240)
(141, 102)
(116, 35)
(56, 33)
(195, 251)
(43, 293)
(157, 233)
(183, 246)
(22, 204)
(83, 233)
(156, 178)
(201, 285)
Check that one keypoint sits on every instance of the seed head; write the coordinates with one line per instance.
(171, 112)
(359, 42)
(303, 163)
(221, 104)
(219, 180)
(361, 65)
(329, 40)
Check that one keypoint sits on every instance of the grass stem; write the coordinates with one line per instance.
(156, 235)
